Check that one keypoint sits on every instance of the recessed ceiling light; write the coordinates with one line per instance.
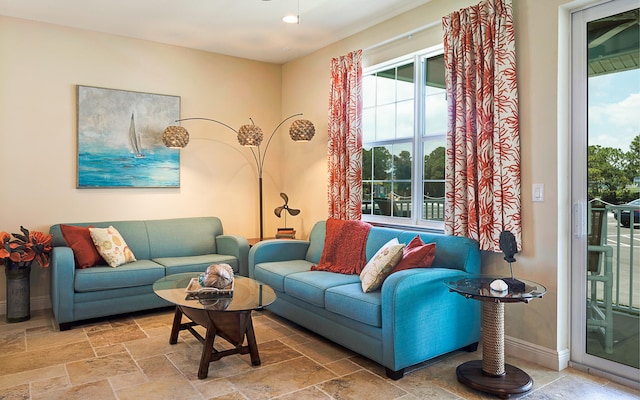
(290, 19)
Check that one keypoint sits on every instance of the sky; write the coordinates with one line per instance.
(614, 109)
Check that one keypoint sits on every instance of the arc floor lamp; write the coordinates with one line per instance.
(250, 135)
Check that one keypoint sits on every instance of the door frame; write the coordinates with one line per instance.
(578, 195)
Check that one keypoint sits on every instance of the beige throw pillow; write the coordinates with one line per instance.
(111, 246)
(380, 265)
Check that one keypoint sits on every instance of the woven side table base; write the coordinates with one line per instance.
(491, 374)
(493, 338)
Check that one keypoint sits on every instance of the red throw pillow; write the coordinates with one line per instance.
(416, 255)
(84, 251)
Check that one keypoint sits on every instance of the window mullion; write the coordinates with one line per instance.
(418, 167)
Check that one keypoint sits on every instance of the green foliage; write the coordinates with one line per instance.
(434, 164)
(611, 172)
(402, 165)
(378, 168)
(633, 156)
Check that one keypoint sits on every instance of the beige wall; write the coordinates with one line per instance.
(42, 64)
(40, 68)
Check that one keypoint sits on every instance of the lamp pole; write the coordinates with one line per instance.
(258, 157)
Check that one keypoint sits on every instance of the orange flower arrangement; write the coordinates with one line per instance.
(24, 249)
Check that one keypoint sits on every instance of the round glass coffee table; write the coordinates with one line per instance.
(228, 317)
(491, 374)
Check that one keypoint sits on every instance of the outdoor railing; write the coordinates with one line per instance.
(433, 208)
(626, 254)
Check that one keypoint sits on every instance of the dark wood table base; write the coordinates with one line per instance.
(233, 326)
(514, 380)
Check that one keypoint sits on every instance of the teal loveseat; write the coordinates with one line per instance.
(161, 247)
(411, 319)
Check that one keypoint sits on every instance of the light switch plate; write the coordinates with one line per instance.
(538, 192)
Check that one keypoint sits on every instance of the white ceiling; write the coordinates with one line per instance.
(244, 28)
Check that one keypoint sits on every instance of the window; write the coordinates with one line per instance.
(404, 126)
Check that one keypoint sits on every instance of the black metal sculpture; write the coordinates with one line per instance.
(509, 247)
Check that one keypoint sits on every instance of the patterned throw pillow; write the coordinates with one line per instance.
(380, 265)
(111, 246)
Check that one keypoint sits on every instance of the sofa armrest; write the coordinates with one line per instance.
(237, 246)
(277, 250)
(422, 318)
(63, 269)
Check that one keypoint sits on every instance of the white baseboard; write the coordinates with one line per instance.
(552, 359)
(37, 303)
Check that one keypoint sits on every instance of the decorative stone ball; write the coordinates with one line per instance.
(499, 285)
(218, 276)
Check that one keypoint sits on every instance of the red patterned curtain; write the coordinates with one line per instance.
(482, 172)
(345, 137)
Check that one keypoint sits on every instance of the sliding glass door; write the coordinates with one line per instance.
(606, 188)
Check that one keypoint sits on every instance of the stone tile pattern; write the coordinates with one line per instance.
(129, 357)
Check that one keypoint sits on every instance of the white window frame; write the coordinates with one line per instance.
(417, 180)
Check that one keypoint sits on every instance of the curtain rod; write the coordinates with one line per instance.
(404, 35)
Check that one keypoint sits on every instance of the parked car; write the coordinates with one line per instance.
(625, 215)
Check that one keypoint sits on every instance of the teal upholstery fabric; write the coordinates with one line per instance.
(162, 247)
(310, 286)
(378, 237)
(315, 314)
(316, 242)
(274, 273)
(183, 236)
(138, 273)
(412, 318)
(177, 265)
(350, 301)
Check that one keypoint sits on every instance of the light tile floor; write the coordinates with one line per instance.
(130, 358)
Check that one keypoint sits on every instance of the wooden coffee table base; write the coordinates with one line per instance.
(233, 326)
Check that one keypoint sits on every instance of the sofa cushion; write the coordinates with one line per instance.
(380, 265)
(316, 242)
(111, 246)
(378, 237)
(349, 301)
(84, 250)
(177, 265)
(310, 286)
(137, 273)
(273, 273)
(181, 237)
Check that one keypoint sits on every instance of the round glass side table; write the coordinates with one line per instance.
(491, 374)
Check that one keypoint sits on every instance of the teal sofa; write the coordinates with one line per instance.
(411, 319)
(161, 247)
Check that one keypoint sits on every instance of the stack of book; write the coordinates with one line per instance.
(286, 233)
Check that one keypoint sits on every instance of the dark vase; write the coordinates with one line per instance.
(18, 293)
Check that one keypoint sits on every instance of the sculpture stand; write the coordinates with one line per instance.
(514, 284)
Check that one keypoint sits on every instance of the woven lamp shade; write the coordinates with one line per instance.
(175, 137)
(302, 130)
(250, 135)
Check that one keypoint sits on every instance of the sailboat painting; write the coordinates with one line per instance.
(120, 139)
(134, 139)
